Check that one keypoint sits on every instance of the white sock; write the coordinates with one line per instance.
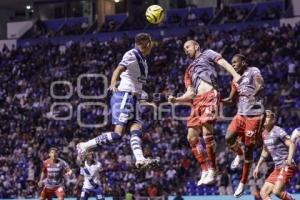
(104, 138)
(135, 143)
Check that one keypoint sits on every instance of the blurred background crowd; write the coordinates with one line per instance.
(28, 130)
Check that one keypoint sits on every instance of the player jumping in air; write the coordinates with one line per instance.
(52, 176)
(248, 120)
(277, 143)
(133, 71)
(202, 91)
(90, 174)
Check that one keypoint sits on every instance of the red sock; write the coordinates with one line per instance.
(246, 170)
(237, 149)
(199, 154)
(286, 196)
(210, 149)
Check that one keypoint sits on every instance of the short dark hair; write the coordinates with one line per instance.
(242, 57)
(53, 148)
(271, 113)
(142, 37)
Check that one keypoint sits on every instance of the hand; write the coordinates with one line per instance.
(40, 183)
(69, 172)
(255, 172)
(112, 88)
(236, 78)
(171, 99)
(76, 190)
(288, 162)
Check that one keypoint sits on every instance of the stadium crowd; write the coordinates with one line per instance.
(28, 131)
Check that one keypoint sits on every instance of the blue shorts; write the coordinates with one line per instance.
(124, 108)
(85, 193)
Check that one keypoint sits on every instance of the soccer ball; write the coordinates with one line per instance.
(155, 14)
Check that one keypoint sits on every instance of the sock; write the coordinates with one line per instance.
(286, 196)
(199, 154)
(104, 138)
(135, 143)
(210, 149)
(237, 149)
(246, 170)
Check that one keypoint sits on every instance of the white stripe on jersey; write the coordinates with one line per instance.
(90, 173)
(135, 75)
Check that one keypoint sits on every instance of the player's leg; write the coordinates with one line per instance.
(46, 194)
(198, 151)
(266, 190)
(252, 125)
(285, 175)
(136, 147)
(99, 194)
(60, 193)
(279, 191)
(43, 195)
(207, 132)
(121, 113)
(231, 140)
(84, 195)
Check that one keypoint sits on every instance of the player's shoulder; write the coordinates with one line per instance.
(62, 161)
(297, 129)
(254, 69)
(279, 131)
(129, 53)
(98, 164)
(46, 162)
(208, 51)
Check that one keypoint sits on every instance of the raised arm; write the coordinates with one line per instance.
(223, 63)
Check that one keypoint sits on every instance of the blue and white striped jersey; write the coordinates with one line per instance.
(135, 75)
(90, 173)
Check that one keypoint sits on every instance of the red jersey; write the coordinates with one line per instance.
(54, 172)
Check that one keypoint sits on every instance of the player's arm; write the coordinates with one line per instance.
(42, 176)
(187, 96)
(295, 135)
(228, 67)
(263, 156)
(259, 84)
(78, 183)
(292, 148)
(115, 77)
(229, 99)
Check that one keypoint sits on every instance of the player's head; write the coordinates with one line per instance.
(191, 47)
(239, 62)
(270, 119)
(90, 155)
(53, 152)
(143, 41)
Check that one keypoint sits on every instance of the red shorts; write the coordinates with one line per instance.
(48, 193)
(246, 127)
(282, 174)
(205, 109)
